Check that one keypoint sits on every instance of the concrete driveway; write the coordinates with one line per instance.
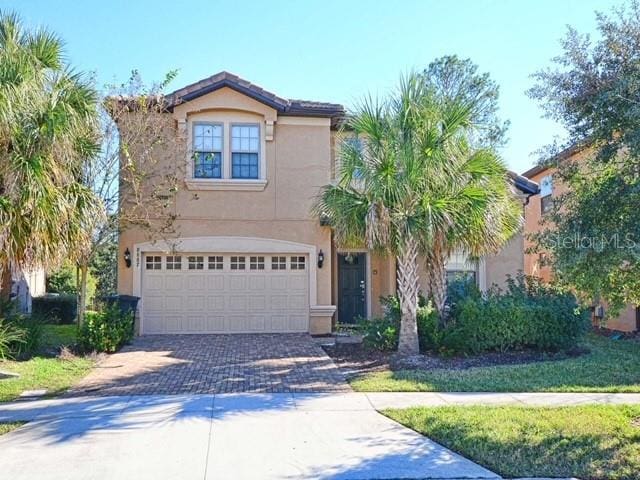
(226, 436)
(180, 364)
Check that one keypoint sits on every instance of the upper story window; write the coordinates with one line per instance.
(207, 150)
(546, 192)
(245, 151)
(356, 145)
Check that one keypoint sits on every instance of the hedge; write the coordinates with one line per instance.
(526, 315)
(55, 308)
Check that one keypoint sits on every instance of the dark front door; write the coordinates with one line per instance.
(351, 287)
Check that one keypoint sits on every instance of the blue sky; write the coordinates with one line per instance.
(325, 50)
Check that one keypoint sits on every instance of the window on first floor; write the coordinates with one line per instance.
(215, 262)
(238, 263)
(461, 275)
(154, 262)
(196, 262)
(278, 263)
(174, 262)
(256, 263)
(297, 263)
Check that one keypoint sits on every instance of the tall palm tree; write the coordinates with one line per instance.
(376, 199)
(467, 192)
(48, 127)
(411, 184)
(472, 209)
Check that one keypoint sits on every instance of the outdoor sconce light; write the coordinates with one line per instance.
(127, 258)
(320, 258)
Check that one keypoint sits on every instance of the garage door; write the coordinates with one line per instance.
(225, 293)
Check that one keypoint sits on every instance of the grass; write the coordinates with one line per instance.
(7, 427)
(612, 366)
(589, 442)
(57, 335)
(52, 374)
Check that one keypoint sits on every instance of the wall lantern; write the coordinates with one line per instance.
(127, 258)
(320, 258)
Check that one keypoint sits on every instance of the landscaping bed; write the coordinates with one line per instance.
(357, 359)
(599, 364)
(595, 442)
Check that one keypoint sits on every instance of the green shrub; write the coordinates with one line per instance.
(106, 331)
(33, 328)
(11, 338)
(528, 314)
(12, 334)
(382, 333)
(56, 308)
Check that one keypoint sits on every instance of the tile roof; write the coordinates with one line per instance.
(557, 158)
(282, 105)
(524, 184)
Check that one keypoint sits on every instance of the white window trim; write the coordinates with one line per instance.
(222, 151)
(226, 182)
(261, 167)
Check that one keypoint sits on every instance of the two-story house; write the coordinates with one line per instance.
(535, 264)
(250, 256)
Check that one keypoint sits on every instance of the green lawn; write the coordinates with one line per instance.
(612, 366)
(53, 374)
(58, 335)
(7, 427)
(589, 442)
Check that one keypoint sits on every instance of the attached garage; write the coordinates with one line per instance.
(217, 292)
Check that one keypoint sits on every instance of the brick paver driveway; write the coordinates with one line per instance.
(178, 364)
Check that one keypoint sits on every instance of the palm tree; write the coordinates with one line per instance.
(376, 199)
(468, 195)
(411, 184)
(471, 209)
(48, 127)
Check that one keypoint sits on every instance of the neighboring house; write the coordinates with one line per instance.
(550, 187)
(22, 286)
(250, 257)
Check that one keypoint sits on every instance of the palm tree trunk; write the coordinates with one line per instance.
(437, 284)
(82, 292)
(408, 286)
(436, 278)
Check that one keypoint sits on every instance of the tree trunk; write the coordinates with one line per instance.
(5, 281)
(436, 279)
(408, 287)
(82, 292)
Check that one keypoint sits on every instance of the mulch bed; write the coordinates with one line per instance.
(355, 359)
(606, 332)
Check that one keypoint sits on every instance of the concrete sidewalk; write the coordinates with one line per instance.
(239, 436)
(252, 436)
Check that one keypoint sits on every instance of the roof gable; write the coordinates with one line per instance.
(281, 105)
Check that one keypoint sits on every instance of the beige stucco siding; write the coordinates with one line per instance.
(509, 261)
(296, 155)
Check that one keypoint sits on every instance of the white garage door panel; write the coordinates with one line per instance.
(204, 300)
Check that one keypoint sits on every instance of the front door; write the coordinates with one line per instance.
(351, 287)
